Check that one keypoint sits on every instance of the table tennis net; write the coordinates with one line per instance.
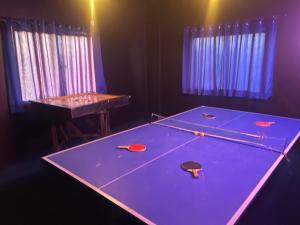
(274, 144)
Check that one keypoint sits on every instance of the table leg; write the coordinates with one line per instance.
(73, 129)
(104, 123)
(107, 120)
(63, 132)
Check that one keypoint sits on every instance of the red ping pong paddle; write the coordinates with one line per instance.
(133, 147)
(264, 123)
(192, 167)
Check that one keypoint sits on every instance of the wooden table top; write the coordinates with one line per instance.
(81, 104)
(77, 100)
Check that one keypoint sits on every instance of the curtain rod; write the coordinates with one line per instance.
(266, 17)
(222, 21)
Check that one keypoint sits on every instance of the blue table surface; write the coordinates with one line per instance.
(152, 182)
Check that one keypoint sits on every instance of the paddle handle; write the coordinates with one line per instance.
(195, 173)
(123, 146)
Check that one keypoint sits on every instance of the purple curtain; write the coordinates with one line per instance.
(49, 59)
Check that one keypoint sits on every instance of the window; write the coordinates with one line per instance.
(229, 61)
(47, 59)
(53, 65)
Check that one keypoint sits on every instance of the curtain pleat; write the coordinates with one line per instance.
(233, 60)
(47, 60)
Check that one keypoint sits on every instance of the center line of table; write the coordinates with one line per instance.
(150, 161)
(229, 121)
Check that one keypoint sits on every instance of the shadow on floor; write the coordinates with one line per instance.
(32, 192)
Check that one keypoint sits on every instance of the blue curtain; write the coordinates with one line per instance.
(98, 64)
(46, 59)
(230, 60)
(11, 67)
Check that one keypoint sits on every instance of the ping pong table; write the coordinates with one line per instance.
(151, 185)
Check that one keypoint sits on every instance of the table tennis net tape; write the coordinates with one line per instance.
(219, 133)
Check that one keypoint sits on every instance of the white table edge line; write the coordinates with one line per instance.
(121, 132)
(102, 193)
(94, 141)
(265, 114)
(262, 181)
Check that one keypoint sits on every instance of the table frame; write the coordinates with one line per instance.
(60, 110)
(233, 219)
